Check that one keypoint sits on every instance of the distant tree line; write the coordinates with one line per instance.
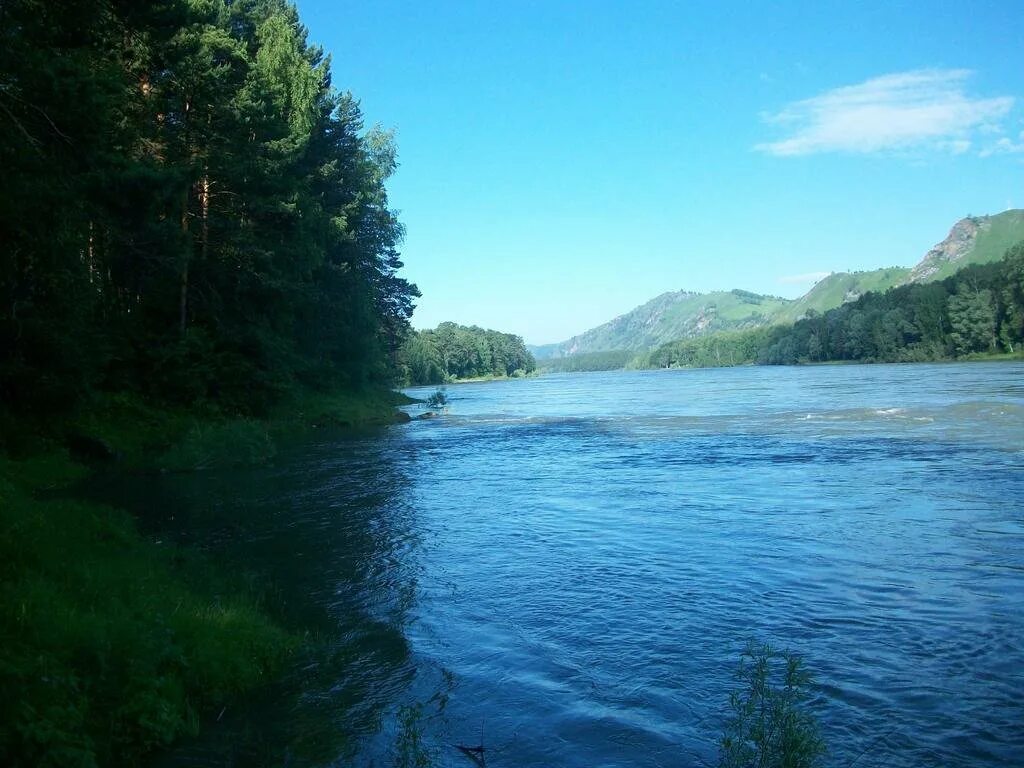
(453, 351)
(611, 360)
(188, 209)
(712, 351)
(978, 310)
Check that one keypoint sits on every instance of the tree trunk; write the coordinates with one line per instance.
(187, 245)
(204, 212)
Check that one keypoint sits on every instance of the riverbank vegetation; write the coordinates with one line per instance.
(979, 309)
(112, 645)
(975, 314)
(199, 256)
(453, 352)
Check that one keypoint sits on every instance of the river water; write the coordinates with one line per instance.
(568, 568)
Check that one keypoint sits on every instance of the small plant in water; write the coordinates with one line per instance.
(769, 726)
(438, 400)
(412, 751)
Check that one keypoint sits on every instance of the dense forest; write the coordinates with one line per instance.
(712, 351)
(189, 210)
(978, 310)
(453, 351)
(587, 361)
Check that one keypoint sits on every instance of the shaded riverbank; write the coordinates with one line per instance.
(117, 641)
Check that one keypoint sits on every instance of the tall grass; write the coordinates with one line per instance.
(110, 645)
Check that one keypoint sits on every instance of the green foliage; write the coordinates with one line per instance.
(769, 725)
(682, 315)
(411, 748)
(588, 361)
(237, 442)
(437, 400)
(453, 351)
(189, 210)
(978, 309)
(972, 318)
(41, 472)
(146, 435)
(111, 645)
(995, 235)
(136, 427)
(714, 351)
(306, 408)
(673, 316)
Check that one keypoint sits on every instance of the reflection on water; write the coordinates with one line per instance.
(586, 555)
(330, 526)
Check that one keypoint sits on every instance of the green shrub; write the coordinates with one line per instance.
(238, 442)
(769, 725)
(438, 399)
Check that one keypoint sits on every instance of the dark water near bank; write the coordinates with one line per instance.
(572, 565)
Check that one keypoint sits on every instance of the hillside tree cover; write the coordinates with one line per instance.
(978, 310)
(975, 311)
(453, 351)
(189, 209)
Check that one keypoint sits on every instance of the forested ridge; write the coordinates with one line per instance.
(452, 351)
(977, 311)
(189, 210)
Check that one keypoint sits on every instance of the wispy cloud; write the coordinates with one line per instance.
(925, 109)
(1004, 146)
(804, 279)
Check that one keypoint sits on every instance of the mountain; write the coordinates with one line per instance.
(671, 316)
(685, 314)
(973, 240)
(841, 287)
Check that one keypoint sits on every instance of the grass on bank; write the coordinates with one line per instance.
(110, 645)
(143, 435)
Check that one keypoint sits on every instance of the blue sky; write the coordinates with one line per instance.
(563, 162)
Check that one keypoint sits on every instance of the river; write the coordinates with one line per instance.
(568, 567)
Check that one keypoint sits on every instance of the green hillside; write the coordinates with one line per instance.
(674, 315)
(840, 287)
(974, 240)
(544, 351)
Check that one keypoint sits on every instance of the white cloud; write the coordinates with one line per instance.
(808, 277)
(955, 146)
(920, 109)
(1004, 146)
